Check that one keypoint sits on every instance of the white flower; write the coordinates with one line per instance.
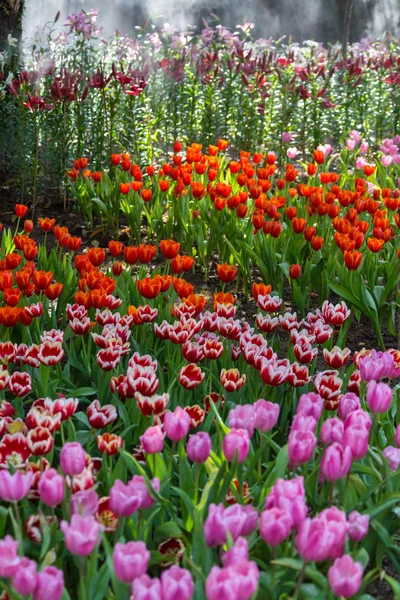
(11, 41)
(9, 79)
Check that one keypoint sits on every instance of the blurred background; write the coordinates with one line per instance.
(320, 20)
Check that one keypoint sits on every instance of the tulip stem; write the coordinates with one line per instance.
(330, 493)
(196, 482)
(171, 458)
(299, 581)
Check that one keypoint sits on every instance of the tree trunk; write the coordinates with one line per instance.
(346, 26)
(10, 20)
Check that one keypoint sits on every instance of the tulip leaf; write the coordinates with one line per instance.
(3, 520)
(395, 585)
(280, 467)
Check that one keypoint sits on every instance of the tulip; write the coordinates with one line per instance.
(50, 584)
(222, 584)
(376, 365)
(392, 455)
(243, 417)
(138, 484)
(85, 502)
(248, 575)
(124, 499)
(301, 446)
(146, 588)
(9, 559)
(130, 560)
(236, 441)
(314, 540)
(357, 527)
(152, 440)
(336, 462)
(14, 487)
(275, 526)
(51, 487)
(356, 438)
(266, 415)
(345, 576)
(25, 579)
(237, 553)
(311, 404)
(81, 535)
(72, 458)
(332, 430)
(290, 497)
(198, 447)
(397, 436)
(176, 583)
(379, 396)
(176, 424)
(347, 403)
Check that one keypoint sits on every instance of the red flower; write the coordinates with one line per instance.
(96, 256)
(54, 291)
(42, 279)
(190, 376)
(21, 210)
(14, 449)
(12, 296)
(50, 353)
(146, 253)
(149, 288)
(196, 414)
(131, 254)
(294, 271)
(40, 441)
(169, 248)
(328, 385)
(151, 405)
(232, 380)
(109, 443)
(227, 273)
(105, 516)
(20, 384)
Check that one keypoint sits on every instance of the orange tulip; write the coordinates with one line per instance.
(149, 288)
(294, 271)
(46, 224)
(12, 296)
(96, 256)
(169, 248)
(115, 248)
(54, 291)
(375, 245)
(131, 254)
(227, 273)
(352, 260)
(42, 279)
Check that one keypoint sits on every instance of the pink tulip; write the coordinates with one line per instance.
(332, 430)
(311, 404)
(286, 137)
(336, 462)
(25, 579)
(356, 438)
(176, 583)
(397, 436)
(124, 499)
(357, 526)
(198, 447)
(266, 415)
(9, 559)
(301, 446)
(236, 441)
(130, 560)
(14, 487)
(379, 396)
(238, 552)
(51, 487)
(289, 496)
(72, 458)
(146, 588)
(49, 584)
(347, 404)
(176, 424)
(335, 521)
(222, 584)
(275, 526)
(248, 575)
(392, 455)
(360, 418)
(137, 483)
(376, 365)
(303, 422)
(345, 576)
(243, 417)
(85, 502)
(81, 535)
(237, 519)
(153, 440)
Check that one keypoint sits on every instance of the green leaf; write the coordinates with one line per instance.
(280, 467)
(395, 585)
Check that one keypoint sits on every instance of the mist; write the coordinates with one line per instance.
(320, 20)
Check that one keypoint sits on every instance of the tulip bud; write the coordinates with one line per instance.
(72, 458)
(357, 526)
(336, 462)
(51, 487)
(237, 440)
(198, 447)
(152, 440)
(130, 560)
(266, 415)
(275, 526)
(345, 576)
(379, 396)
(176, 424)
